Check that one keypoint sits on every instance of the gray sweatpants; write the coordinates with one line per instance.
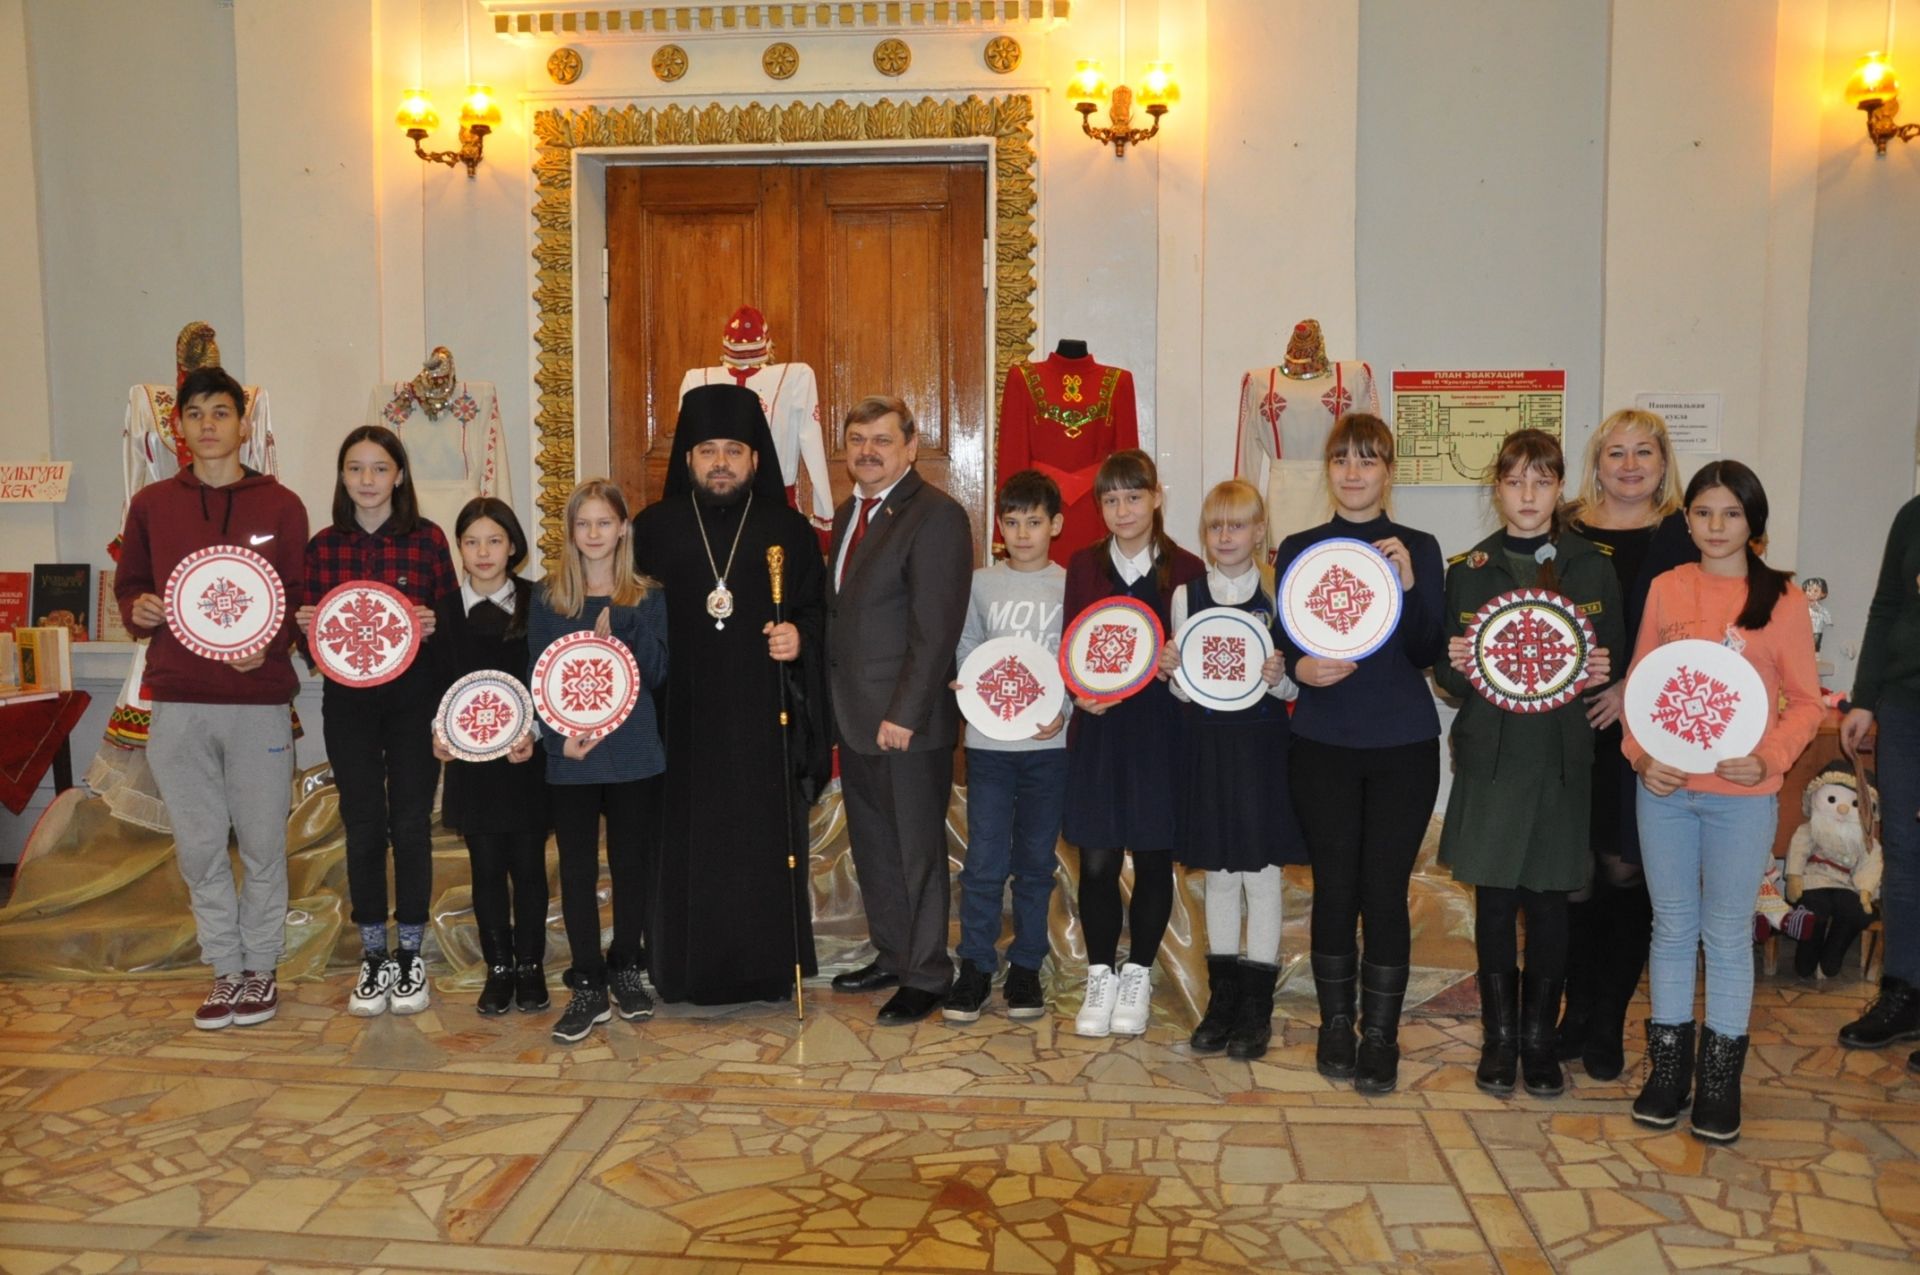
(222, 766)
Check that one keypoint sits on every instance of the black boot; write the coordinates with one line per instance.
(1383, 989)
(1893, 1016)
(1629, 929)
(1669, 1075)
(530, 986)
(1334, 982)
(1539, 1061)
(496, 949)
(1716, 1106)
(1499, 1031)
(1223, 1006)
(1254, 1027)
(1585, 962)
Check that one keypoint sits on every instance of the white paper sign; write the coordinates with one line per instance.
(41, 483)
(1693, 420)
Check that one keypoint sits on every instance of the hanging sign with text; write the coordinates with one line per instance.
(44, 482)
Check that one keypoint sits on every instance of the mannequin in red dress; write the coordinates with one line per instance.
(1062, 416)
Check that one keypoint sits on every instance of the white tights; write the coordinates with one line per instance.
(1262, 912)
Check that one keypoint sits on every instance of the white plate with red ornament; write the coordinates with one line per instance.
(1531, 650)
(225, 603)
(364, 633)
(585, 685)
(1693, 704)
(1221, 651)
(484, 714)
(1111, 649)
(1010, 687)
(1340, 599)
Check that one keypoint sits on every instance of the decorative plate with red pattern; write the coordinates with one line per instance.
(1340, 599)
(1111, 649)
(1531, 648)
(585, 685)
(1694, 703)
(225, 603)
(1010, 687)
(484, 714)
(1221, 651)
(364, 633)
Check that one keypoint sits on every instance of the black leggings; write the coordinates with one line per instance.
(1841, 921)
(1495, 911)
(1364, 812)
(632, 810)
(521, 858)
(1147, 914)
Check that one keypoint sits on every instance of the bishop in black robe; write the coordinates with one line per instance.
(729, 918)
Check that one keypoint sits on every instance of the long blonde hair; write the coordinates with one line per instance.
(1237, 500)
(567, 587)
(1628, 419)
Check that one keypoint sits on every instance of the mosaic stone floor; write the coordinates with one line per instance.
(751, 1142)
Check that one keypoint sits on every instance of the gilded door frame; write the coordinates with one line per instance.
(1006, 120)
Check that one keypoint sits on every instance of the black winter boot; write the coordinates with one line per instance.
(1586, 962)
(1669, 1084)
(1334, 981)
(1716, 1104)
(1539, 1061)
(1383, 989)
(1223, 1006)
(1893, 1016)
(1499, 1031)
(530, 986)
(496, 949)
(1253, 1029)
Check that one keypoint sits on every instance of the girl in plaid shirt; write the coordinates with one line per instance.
(380, 738)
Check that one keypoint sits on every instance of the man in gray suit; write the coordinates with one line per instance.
(901, 567)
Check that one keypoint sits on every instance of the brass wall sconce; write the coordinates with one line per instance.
(479, 115)
(1874, 90)
(1158, 93)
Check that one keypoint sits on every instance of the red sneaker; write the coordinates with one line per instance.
(259, 999)
(217, 1010)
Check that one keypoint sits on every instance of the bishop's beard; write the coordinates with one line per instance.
(719, 500)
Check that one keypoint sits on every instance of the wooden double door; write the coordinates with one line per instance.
(873, 274)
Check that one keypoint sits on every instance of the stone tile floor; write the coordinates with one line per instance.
(747, 1141)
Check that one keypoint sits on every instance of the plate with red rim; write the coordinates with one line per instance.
(1010, 687)
(1340, 599)
(1693, 704)
(1531, 650)
(1222, 650)
(484, 714)
(585, 685)
(1111, 649)
(364, 633)
(224, 602)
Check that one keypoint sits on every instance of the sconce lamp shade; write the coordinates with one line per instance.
(479, 109)
(416, 112)
(1157, 88)
(1872, 81)
(1088, 84)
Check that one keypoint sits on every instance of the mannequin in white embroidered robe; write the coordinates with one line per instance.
(1286, 413)
(455, 442)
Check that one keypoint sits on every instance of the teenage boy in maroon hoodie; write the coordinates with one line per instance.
(221, 743)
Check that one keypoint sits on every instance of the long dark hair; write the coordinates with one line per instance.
(1765, 585)
(1134, 470)
(406, 510)
(500, 512)
(1526, 449)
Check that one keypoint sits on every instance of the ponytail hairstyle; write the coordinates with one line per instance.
(1765, 585)
(567, 587)
(1133, 470)
(1539, 451)
(500, 513)
(1362, 434)
(1237, 500)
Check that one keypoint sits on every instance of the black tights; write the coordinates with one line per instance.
(1147, 915)
(1495, 909)
(521, 858)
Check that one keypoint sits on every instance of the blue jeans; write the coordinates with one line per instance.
(1014, 803)
(1897, 755)
(1704, 855)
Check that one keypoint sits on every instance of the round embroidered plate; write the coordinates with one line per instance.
(1340, 599)
(1110, 650)
(1010, 687)
(1531, 648)
(225, 603)
(484, 714)
(1694, 703)
(584, 685)
(364, 633)
(1221, 651)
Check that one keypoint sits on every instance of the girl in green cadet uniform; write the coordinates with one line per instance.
(1517, 817)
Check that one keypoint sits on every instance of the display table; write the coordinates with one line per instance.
(33, 736)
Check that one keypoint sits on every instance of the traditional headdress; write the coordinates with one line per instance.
(745, 343)
(710, 412)
(1306, 350)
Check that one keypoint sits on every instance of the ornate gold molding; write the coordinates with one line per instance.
(569, 20)
(1007, 120)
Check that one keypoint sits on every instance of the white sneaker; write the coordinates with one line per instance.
(1133, 1004)
(378, 973)
(1096, 1012)
(409, 984)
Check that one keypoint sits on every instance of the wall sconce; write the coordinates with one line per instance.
(1158, 92)
(479, 114)
(1874, 90)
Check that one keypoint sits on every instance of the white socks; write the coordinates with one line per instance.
(1262, 890)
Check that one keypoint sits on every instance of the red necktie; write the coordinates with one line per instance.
(859, 532)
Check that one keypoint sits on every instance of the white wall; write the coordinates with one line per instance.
(27, 530)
